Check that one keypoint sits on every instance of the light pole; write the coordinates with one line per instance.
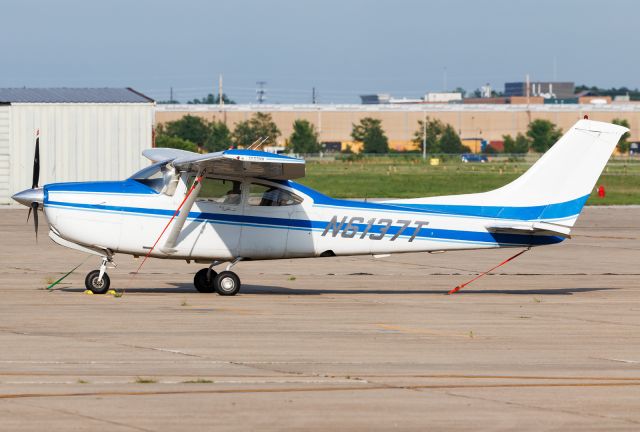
(424, 136)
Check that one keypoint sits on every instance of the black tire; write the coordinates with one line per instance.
(202, 284)
(97, 287)
(227, 283)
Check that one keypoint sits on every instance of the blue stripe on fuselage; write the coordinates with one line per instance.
(548, 211)
(128, 186)
(425, 233)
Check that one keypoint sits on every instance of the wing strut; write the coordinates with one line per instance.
(196, 184)
(459, 287)
(187, 203)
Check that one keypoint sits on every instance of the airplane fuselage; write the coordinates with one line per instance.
(128, 217)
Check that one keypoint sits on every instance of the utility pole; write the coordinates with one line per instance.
(260, 91)
(424, 136)
(313, 96)
(528, 90)
(220, 93)
(171, 94)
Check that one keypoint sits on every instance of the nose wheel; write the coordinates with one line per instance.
(97, 281)
(96, 285)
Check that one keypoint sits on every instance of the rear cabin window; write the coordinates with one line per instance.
(220, 191)
(269, 196)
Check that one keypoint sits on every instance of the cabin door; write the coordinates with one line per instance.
(215, 231)
(267, 217)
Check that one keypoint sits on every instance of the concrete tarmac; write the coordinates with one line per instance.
(549, 342)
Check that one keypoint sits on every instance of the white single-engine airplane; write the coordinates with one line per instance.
(243, 205)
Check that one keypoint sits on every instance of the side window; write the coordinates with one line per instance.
(264, 196)
(220, 191)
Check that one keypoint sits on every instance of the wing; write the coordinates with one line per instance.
(241, 163)
(161, 154)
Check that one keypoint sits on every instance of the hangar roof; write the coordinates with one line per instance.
(72, 95)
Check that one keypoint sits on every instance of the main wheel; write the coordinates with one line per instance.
(96, 286)
(203, 284)
(227, 283)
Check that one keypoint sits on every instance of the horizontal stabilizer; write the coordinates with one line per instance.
(534, 228)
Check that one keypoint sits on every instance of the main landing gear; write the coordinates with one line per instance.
(97, 281)
(225, 283)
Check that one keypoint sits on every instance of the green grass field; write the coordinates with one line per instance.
(406, 178)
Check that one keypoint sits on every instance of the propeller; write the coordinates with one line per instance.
(36, 163)
(32, 198)
(34, 207)
(34, 184)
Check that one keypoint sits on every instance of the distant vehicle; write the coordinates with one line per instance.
(471, 157)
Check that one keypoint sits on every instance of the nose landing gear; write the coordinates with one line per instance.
(98, 281)
(225, 283)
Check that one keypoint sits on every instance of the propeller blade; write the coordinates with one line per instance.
(36, 164)
(29, 214)
(34, 206)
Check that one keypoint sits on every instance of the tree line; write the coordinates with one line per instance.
(542, 134)
(194, 133)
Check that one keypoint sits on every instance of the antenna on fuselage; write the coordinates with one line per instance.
(257, 143)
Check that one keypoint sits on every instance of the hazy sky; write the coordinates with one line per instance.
(342, 47)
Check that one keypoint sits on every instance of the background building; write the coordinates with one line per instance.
(373, 99)
(548, 90)
(443, 97)
(486, 122)
(85, 134)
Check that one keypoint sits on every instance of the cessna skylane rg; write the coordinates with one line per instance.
(237, 205)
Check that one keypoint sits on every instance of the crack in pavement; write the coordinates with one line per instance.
(371, 387)
(163, 350)
(546, 409)
(83, 416)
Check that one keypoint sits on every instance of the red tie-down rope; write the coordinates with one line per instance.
(459, 287)
(195, 183)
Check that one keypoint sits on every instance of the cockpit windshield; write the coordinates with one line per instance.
(152, 176)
